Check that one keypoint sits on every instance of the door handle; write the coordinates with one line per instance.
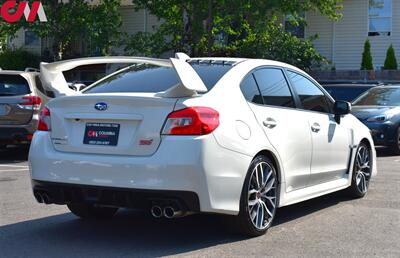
(315, 128)
(270, 123)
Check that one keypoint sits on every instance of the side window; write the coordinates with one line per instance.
(274, 88)
(250, 90)
(311, 97)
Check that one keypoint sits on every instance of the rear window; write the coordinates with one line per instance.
(150, 78)
(347, 93)
(379, 97)
(13, 85)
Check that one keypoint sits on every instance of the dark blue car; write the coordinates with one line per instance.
(379, 109)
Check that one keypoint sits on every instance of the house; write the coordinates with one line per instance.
(132, 22)
(341, 42)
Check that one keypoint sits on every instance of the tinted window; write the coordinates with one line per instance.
(274, 88)
(149, 78)
(347, 93)
(380, 97)
(311, 97)
(13, 85)
(250, 90)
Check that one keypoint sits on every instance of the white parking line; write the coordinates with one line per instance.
(15, 170)
(13, 166)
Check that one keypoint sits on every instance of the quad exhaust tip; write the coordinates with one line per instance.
(38, 197)
(42, 198)
(156, 211)
(168, 212)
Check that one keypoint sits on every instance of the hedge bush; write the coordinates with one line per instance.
(390, 61)
(366, 63)
(18, 59)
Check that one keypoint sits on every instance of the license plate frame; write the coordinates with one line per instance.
(101, 134)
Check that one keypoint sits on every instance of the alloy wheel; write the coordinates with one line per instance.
(363, 168)
(262, 195)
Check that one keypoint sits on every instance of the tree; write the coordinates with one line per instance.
(7, 30)
(366, 63)
(390, 61)
(226, 27)
(96, 25)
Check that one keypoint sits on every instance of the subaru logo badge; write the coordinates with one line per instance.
(101, 106)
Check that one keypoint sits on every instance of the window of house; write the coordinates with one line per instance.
(380, 17)
(31, 39)
(293, 28)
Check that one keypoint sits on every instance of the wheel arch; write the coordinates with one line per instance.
(366, 141)
(269, 154)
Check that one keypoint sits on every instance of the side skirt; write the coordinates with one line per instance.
(314, 191)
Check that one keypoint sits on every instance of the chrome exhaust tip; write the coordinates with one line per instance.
(170, 213)
(156, 211)
(46, 198)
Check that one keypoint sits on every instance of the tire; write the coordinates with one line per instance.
(395, 148)
(255, 219)
(361, 171)
(89, 211)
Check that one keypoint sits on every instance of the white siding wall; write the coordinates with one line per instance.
(343, 41)
(323, 27)
(350, 34)
(135, 21)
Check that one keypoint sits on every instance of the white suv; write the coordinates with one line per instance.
(240, 137)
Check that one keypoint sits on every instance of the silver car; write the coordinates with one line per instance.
(20, 105)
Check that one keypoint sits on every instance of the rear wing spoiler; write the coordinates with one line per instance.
(190, 84)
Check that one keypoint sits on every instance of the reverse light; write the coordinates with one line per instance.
(44, 120)
(30, 102)
(191, 121)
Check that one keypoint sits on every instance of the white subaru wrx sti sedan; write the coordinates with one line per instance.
(239, 137)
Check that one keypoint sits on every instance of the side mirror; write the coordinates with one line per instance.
(341, 108)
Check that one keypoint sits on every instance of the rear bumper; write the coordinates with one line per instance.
(181, 164)
(60, 193)
(17, 134)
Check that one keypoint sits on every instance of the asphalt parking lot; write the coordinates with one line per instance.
(330, 226)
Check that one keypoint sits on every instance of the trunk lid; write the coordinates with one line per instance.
(12, 112)
(13, 89)
(130, 123)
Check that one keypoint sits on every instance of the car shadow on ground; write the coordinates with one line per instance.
(384, 152)
(14, 155)
(133, 233)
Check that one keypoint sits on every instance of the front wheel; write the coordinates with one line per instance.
(259, 198)
(89, 211)
(361, 172)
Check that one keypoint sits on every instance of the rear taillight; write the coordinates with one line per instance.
(30, 102)
(44, 120)
(191, 121)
